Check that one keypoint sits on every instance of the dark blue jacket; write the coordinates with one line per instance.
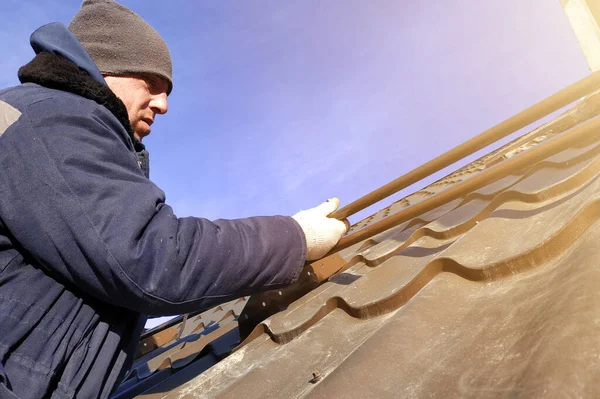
(88, 244)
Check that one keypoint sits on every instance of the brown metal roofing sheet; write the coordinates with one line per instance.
(492, 294)
(187, 347)
(482, 294)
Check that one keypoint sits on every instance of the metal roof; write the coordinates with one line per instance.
(492, 291)
(182, 349)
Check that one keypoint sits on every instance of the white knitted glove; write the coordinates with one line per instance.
(321, 232)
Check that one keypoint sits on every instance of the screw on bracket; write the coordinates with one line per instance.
(316, 377)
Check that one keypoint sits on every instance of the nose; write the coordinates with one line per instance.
(158, 103)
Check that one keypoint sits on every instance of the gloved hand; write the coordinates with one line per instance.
(321, 232)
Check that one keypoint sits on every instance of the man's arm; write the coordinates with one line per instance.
(80, 207)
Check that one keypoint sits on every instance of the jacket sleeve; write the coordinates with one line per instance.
(79, 206)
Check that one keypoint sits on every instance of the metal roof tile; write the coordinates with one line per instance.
(492, 293)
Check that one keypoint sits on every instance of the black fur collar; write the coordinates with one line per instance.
(56, 72)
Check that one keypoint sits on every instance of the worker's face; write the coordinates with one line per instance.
(144, 96)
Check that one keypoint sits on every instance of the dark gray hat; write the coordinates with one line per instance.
(120, 42)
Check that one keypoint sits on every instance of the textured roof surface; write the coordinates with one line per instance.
(492, 294)
(182, 349)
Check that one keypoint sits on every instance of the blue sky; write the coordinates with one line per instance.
(279, 105)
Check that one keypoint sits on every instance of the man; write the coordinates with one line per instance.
(88, 245)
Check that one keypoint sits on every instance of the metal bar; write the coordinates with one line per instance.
(182, 327)
(543, 108)
(485, 177)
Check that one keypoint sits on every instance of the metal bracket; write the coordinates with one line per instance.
(265, 304)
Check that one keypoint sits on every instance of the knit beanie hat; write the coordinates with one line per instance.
(119, 41)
